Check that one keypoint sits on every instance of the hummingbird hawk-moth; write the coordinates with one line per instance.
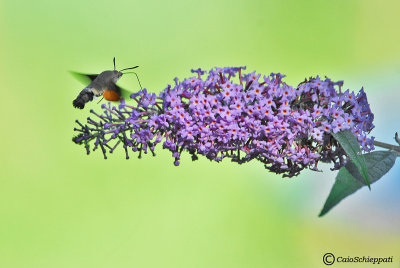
(101, 84)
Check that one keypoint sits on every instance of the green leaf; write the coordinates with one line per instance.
(352, 148)
(349, 179)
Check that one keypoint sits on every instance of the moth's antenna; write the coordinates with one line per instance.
(114, 63)
(136, 77)
(130, 68)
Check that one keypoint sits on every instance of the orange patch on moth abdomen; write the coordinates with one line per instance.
(111, 95)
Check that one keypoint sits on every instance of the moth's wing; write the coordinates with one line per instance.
(84, 78)
(126, 94)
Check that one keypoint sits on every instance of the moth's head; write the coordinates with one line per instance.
(110, 76)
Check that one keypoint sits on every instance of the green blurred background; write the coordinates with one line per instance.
(61, 208)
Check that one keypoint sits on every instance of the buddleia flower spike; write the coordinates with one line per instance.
(227, 113)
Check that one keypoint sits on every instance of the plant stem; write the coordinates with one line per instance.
(388, 146)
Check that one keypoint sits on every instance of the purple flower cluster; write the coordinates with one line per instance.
(286, 128)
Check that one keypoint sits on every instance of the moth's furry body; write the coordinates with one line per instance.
(106, 81)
